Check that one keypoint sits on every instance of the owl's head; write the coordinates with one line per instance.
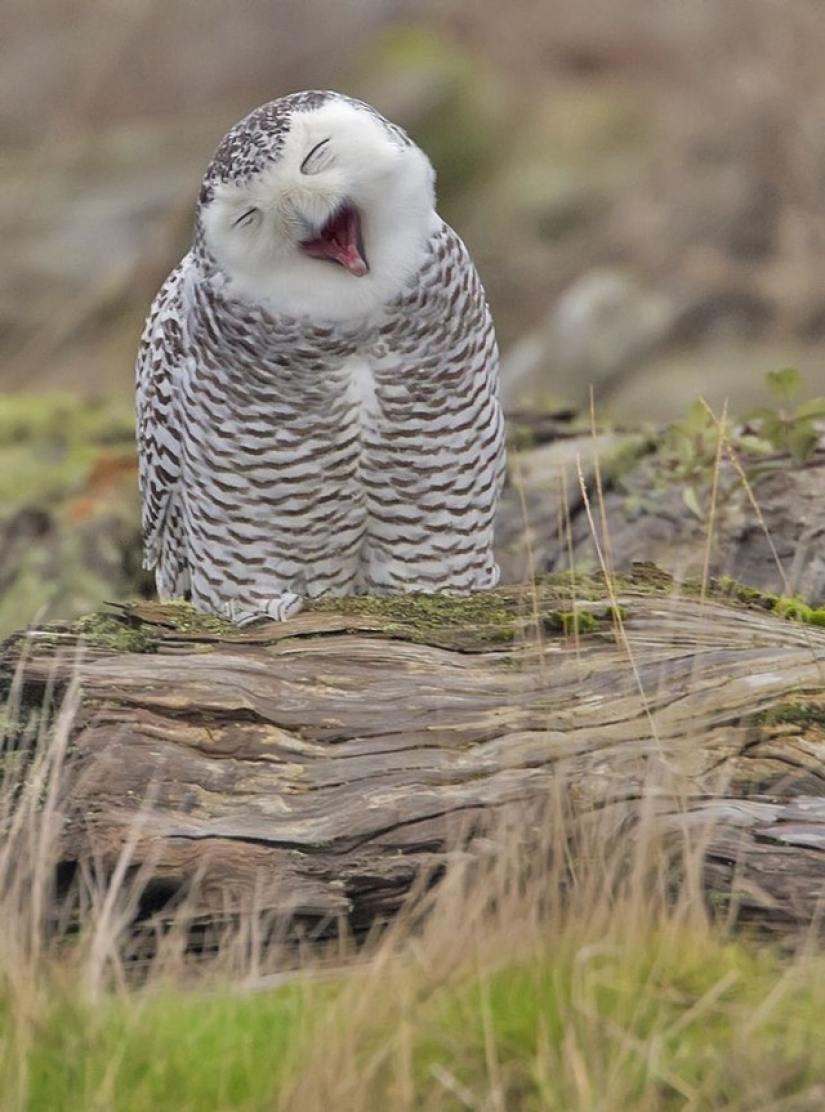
(316, 205)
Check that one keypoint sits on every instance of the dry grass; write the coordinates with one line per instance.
(557, 967)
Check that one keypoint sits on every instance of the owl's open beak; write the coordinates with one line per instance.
(339, 241)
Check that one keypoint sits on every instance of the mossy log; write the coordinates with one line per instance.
(317, 767)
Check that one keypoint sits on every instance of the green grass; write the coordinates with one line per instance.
(667, 1019)
(653, 1024)
(182, 1050)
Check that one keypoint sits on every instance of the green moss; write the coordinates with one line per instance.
(489, 616)
(180, 616)
(109, 631)
(793, 609)
(565, 603)
(797, 611)
(728, 587)
(138, 627)
(49, 442)
(644, 578)
(803, 713)
(571, 622)
(556, 603)
(68, 506)
(484, 608)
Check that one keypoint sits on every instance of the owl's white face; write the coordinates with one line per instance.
(334, 227)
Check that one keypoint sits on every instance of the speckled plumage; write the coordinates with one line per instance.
(306, 425)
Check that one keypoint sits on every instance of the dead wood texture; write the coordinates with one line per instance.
(315, 768)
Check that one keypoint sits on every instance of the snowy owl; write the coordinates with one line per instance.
(317, 381)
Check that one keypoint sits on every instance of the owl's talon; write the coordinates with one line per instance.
(279, 608)
(283, 607)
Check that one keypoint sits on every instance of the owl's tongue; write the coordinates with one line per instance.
(340, 241)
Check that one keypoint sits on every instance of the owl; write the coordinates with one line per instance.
(317, 381)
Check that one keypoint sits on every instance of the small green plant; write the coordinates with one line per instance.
(690, 454)
(792, 427)
(695, 450)
(694, 444)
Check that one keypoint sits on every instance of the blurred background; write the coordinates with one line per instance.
(640, 183)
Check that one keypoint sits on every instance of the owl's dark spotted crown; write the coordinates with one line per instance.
(256, 140)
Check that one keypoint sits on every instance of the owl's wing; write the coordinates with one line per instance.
(465, 337)
(436, 466)
(161, 358)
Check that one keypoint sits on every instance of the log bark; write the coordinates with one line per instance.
(315, 768)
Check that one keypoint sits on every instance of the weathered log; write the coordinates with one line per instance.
(314, 768)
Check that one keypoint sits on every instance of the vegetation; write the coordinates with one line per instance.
(666, 1017)
(570, 975)
(793, 426)
(566, 977)
(68, 506)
